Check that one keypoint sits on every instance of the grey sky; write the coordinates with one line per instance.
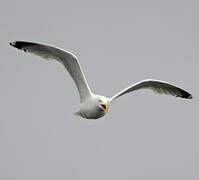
(144, 135)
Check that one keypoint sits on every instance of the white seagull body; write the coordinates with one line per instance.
(93, 106)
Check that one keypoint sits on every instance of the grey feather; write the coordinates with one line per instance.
(157, 86)
(66, 58)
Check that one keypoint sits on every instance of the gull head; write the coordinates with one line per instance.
(94, 107)
(102, 103)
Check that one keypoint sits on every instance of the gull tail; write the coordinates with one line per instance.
(78, 113)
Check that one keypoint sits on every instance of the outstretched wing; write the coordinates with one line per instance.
(66, 58)
(160, 87)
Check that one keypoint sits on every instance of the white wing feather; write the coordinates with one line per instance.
(160, 87)
(66, 58)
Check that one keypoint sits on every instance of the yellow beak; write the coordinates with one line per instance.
(104, 107)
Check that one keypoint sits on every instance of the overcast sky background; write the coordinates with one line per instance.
(144, 135)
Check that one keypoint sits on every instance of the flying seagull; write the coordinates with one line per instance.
(93, 106)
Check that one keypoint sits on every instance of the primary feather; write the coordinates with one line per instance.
(160, 87)
(66, 58)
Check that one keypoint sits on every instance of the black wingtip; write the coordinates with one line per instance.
(22, 44)
(186, 95)
(17, 44)
(190, 97)
(13, 43)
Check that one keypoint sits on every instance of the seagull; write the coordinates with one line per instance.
(93, 106)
